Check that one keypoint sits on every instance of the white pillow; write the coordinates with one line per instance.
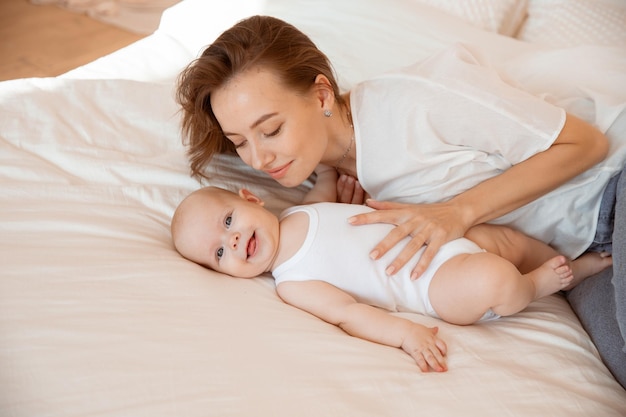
(563, 23)
(501, 16)
(362, 38)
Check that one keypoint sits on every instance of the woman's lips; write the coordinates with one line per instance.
(279, 172)
(251, 248)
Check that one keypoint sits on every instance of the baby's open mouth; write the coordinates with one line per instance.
(251, 249)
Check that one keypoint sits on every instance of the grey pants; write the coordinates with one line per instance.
(600, 301)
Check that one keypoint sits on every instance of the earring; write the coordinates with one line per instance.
(328, 113)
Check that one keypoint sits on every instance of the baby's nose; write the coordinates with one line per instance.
(234, 240)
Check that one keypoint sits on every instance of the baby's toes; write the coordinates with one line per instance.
(566, 280)
(564, 270)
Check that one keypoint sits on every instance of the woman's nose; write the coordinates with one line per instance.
(260, 158)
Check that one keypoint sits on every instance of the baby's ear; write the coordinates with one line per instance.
(250, 196)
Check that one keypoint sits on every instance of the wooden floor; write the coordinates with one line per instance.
(46, 40)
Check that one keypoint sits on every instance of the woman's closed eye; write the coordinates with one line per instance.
(274, 133)
(240, 144)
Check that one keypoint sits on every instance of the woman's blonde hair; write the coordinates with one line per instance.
(256, 41)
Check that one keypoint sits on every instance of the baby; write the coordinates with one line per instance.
(320, 265)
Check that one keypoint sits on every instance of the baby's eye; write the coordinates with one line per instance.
(228, 220)
(219, 253)
(240, 144)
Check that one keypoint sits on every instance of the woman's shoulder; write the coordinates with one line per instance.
(450, 63)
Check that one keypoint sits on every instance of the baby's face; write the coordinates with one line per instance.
(227, 233)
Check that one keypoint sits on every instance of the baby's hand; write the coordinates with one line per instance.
(426, 348)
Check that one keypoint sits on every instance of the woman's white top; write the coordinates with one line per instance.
(428, 132)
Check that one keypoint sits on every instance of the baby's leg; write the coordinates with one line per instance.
(587, 265)
(467, 286)
(554, 275)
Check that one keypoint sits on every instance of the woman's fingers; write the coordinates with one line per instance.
(424, 261)
(405, 226)
(410, 249)
(385, 212)
(386, 205)
(358, 196)
(393, 238)
(431, 225)
(349, 190)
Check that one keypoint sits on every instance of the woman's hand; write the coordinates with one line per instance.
(429, 224)
(349, 190)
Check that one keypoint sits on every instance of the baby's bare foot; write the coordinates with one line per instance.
(554, 275)
(588, 264)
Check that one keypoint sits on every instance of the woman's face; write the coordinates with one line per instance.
(274, 129)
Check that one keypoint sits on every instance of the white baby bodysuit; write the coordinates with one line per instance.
(337, 252)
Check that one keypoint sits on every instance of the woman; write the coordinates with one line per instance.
(441, 146)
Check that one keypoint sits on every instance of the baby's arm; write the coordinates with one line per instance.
(370, 323)
(325, 188)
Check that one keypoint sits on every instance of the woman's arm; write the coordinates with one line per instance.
(361, 320)
(578, 147)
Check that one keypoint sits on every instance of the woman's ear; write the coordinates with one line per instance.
(251, 197)
(323, 90)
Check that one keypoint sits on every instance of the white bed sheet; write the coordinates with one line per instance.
(99, 316)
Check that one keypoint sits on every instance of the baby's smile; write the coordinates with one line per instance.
(251, 248)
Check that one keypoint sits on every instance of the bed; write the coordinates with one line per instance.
(99, 315)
